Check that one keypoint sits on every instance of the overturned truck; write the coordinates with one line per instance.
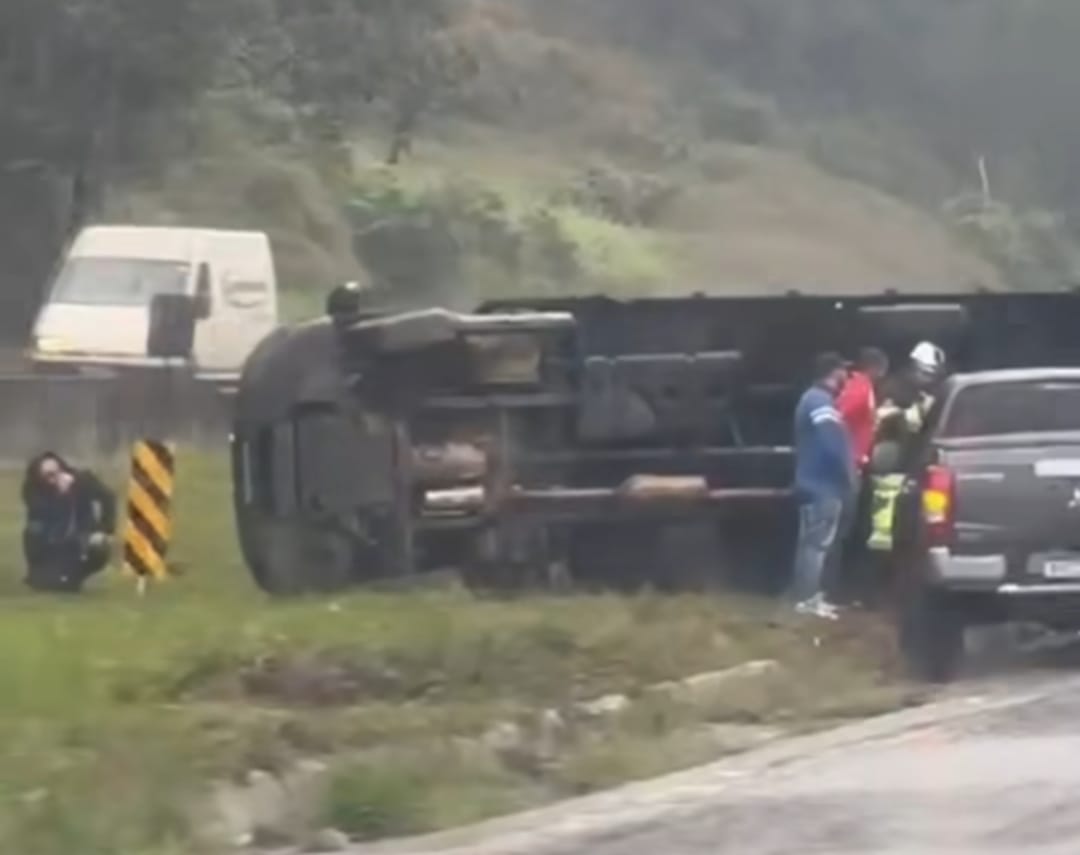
(617, 444)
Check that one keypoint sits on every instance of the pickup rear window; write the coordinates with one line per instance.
(1032, 406)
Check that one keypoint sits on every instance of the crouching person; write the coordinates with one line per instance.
(70, 522)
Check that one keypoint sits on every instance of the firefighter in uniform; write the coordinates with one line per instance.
(906, 401)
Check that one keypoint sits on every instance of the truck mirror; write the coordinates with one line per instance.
(203, 301)
(202, 306)
(172, 326)
(344, 303)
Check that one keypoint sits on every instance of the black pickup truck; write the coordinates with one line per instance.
(988, 524)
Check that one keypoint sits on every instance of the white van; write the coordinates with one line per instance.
(97, 313)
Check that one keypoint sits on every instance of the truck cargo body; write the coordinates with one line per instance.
(611, 443)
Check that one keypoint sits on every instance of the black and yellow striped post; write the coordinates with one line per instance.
(148, 531)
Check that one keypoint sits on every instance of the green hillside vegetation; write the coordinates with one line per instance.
(451, 150)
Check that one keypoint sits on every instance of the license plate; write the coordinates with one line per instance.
(1062, 569)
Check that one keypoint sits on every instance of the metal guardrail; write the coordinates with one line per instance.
(91, 418)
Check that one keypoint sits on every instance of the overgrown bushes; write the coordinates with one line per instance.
(622, 196)
(457, 241)
(234, 179)
(1033, 248)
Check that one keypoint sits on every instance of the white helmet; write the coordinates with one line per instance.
(928, 357)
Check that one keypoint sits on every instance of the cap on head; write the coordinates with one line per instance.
(828, 364)
(873, 360)
(928, 357)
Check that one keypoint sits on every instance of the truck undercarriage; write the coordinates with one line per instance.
(617, 444)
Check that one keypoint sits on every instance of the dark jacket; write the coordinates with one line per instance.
(824, 462)
(51, 517)
(903, 406)
(900, 389)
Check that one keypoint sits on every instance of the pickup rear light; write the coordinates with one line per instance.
(939, 505)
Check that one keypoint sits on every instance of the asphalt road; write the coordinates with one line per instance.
(1001, 782)
(995, 769)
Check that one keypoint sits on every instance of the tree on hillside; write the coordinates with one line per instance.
(422, 61)
(78, 80)
(403, 55)
(78, 77)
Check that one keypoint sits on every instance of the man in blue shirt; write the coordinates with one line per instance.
(824, 481)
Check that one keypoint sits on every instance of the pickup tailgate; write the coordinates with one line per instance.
(1019, 498)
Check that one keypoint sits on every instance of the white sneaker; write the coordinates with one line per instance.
(817, 607)
(806, 607)
(828, 611)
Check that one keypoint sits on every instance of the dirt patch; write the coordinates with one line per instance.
(322, 680)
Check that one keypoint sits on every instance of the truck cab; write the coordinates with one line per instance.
(96, 315)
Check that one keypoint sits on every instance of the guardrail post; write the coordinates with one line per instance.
(149, 528)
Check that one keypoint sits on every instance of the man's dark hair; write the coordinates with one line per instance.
(871, 358)
(827, 364)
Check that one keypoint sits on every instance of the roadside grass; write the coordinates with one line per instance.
(116, 712)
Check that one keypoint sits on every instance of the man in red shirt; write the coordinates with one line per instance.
(857, 404)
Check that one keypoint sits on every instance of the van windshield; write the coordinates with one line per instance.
(118, 281)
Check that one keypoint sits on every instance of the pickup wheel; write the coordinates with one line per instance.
(932, 636)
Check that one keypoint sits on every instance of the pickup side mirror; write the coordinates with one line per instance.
(172, 326)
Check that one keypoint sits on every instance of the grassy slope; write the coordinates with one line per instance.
(748, 219)
(778, 221)
(115, 712)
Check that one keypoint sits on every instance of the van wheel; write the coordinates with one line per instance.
(306, 559)
(932, 636)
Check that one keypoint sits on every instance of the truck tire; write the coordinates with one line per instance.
(299, 559)
(932, 636)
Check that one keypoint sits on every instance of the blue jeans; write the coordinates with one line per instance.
(819, 523)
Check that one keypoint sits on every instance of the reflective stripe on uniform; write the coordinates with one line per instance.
(886, 490)
(826, 414)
